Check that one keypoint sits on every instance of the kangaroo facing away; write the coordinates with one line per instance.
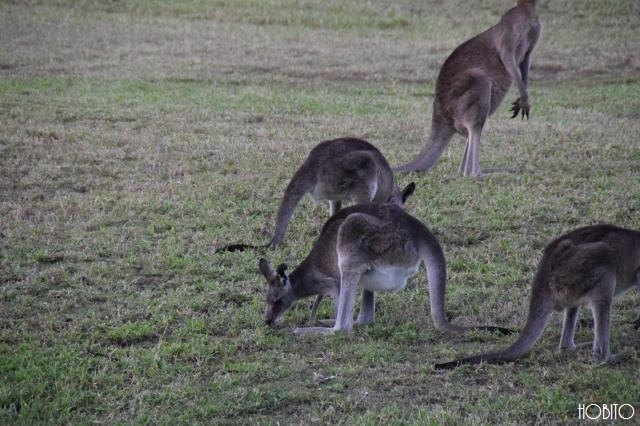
(587, 266)
(339, 170)
(474, 80)
(375, 246)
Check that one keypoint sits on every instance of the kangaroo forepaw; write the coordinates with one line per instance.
(614, 359)
(520, 106)
(586, 322)
(603, 356)
(636, 323)
(364, 320)
(272, 245)
(611, 359)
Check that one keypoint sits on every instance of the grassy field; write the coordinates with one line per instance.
(136, 137)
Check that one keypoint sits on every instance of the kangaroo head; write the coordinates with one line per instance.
(280, 295)
(400, 197)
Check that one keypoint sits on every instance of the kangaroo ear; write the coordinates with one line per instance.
(265, 269)
(407, 191)
(282, 270)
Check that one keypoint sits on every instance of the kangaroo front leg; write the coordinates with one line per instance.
(636, 322)
(314, 310)
(313, 320)
(569, 329)
(465, 156)
(367, 308)
(344, 316)
(334, 206)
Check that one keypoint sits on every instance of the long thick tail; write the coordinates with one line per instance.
(240, 247)
(296, 189)
(493, 329)
(439, 138)
(434, 260)
(539, 309)
(300, 184)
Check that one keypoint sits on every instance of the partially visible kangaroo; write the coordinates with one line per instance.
(345, 169)
(587, 266)
(376, 246)
(473, 82)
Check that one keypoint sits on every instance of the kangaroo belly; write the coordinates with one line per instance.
(357, 191)
(387, 278)
(321, 193)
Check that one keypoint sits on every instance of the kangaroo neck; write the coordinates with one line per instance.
(302, 280)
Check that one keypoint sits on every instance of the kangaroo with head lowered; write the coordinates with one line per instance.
(339, 170)
(587, 266)
(473, 82)
(283, 291)
(375, 246)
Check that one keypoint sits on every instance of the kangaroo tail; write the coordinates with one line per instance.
(539, 309)
(424, 161)
(240, 247)
(439, 138)
(434, 260)
(494, 329)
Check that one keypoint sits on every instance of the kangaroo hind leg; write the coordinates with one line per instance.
(470, 165)
(367, 308)
(601, 307)
(471, 112)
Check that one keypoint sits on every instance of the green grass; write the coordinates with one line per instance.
(138, 137)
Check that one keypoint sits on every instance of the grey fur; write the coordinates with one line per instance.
(587, 266)
(337, 171)
(375, 246)
(474, 80)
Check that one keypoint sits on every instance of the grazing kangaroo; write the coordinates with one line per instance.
(587, 266)
(283, 292)
(346, 169)
(376, 246)
(473, 82)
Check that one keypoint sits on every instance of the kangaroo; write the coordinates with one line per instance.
(339, 170)
(587, 266)
(283, 292)
(376, 246)
(473, 82)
